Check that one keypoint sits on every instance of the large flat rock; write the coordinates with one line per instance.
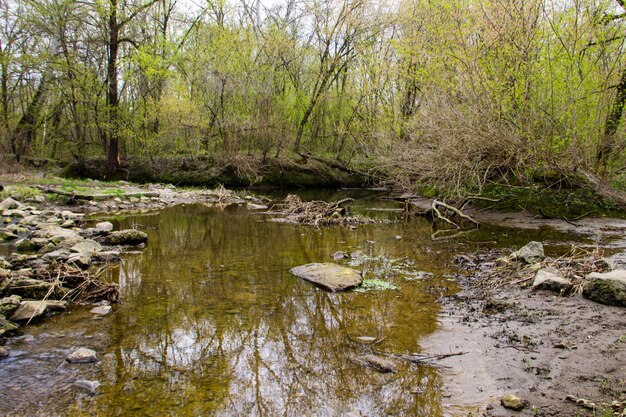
(329, 276)
(606, 288)
(32, 309)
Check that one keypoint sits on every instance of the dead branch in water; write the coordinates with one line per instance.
(318, 213)
(419, 359)
(436, 204)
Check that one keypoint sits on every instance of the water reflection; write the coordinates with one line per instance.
(213, 324)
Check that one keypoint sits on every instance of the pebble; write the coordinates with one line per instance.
(82, 355)
(101, 311)
(513, 402)
(89, 386)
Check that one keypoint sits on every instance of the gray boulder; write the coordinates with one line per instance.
(606, 288)
(14, 213)
(53, 232)
(82, 355)
(87, 246)
(81, 260)
(530, 254)
(101, 310)
(339, 255)
(6, 236)
(6, 325)
(59, 255)
(104, 226)
(90, 386)
(329, 276)
(127, 237)
(10, 204)
(34, 288)
(9, 304)
(107, 256)
(32, 309)
(551, 279)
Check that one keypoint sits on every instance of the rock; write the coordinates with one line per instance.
(551, 279)
(14, 213)
(380, 364)
(329, 276)
(90, 386)
(33, 309)
(6, 236)
(59, 255)
(81, 260)
(531, 253)
(82, 355)
(25, 245)
(339, 255)
(513, 402)
(107, 256)
(68, 224)
(252, 206)
(606, 288)
(4, 263)
(34, 288)
(101, 310)
(4, 353)
(357, 254)
(9, 204)
(9, 304)
(68, 215)
(104, 226)
(127, 237)
(6, 325)
(86, 246)
(55, 233)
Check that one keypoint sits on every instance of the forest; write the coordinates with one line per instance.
(433, 95)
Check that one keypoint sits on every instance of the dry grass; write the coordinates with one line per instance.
(458, 146)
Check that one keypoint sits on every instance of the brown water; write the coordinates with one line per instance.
(213, 323)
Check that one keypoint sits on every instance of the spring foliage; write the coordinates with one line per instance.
(444, 94)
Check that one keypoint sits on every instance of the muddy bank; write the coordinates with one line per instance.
(202, 171)
(547, 349)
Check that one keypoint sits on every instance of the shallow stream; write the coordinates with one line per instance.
(213, 323)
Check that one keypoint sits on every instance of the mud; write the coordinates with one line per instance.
(538, 346)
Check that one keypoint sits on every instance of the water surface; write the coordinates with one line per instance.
(213, 323)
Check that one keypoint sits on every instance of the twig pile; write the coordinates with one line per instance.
(318, 213)
(578, 263)
(74, 284)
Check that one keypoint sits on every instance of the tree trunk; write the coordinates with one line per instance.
(24, 132)
(113, 157)
(607, 143)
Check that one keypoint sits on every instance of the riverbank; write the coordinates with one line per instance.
(561, 355)
(537, 345)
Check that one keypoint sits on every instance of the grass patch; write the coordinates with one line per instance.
(19, 192)
(375, 285)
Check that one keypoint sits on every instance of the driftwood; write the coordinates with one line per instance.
(437, 209)
(317, 213)
(420, 359)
